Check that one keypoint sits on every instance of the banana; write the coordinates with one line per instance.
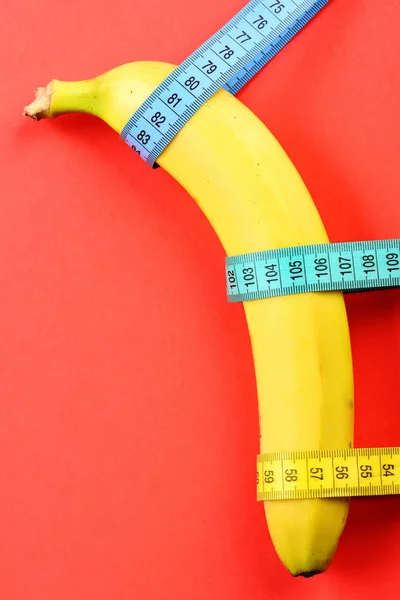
(254, 198)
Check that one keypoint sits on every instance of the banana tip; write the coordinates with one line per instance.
(307, 574)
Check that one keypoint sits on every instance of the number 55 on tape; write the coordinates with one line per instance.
(328, 473)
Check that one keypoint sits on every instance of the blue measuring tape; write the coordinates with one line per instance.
(228, 59)
(347, 266)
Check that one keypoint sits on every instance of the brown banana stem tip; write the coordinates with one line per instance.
(41, 105)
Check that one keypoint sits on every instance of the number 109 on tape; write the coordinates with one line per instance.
(328, 473)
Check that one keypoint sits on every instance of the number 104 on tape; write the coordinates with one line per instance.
(347, 266)
(328, 473)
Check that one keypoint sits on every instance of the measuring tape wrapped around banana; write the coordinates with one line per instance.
(187, 119)
(255, 200)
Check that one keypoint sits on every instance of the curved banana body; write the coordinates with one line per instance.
(253, 197)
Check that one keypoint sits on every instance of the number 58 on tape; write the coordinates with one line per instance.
(328, 473)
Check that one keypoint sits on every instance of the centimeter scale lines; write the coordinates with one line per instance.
(347, 266)
(328, 473)
(228, 59)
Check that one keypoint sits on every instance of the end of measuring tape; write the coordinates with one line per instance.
(328, 474)
(228, 59)
(346, 266)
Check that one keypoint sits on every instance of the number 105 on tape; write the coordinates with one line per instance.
(328, 473)
(347, 266)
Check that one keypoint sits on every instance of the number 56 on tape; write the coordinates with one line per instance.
(328, 473)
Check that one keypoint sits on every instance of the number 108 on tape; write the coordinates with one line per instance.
(347, 266)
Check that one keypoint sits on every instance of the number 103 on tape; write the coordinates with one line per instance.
(347, 266)
(328, 473)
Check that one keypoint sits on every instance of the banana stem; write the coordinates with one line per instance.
(61, 97)
(40, 107)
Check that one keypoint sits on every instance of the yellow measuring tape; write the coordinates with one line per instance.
(328, 473)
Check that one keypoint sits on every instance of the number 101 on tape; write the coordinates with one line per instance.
(328, 473)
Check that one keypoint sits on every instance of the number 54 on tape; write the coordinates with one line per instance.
(328, 473)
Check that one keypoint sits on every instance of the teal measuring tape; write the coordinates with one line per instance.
(347, 266)
(228, 59)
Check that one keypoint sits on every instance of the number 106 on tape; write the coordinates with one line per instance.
(328, 473)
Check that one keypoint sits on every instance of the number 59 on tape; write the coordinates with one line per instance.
(328, 473)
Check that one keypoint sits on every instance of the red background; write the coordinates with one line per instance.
(128, 414)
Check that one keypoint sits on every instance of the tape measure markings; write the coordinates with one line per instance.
(231, 56)
(328, 473)
(166, 110)
(268, 53)
(347, 266)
